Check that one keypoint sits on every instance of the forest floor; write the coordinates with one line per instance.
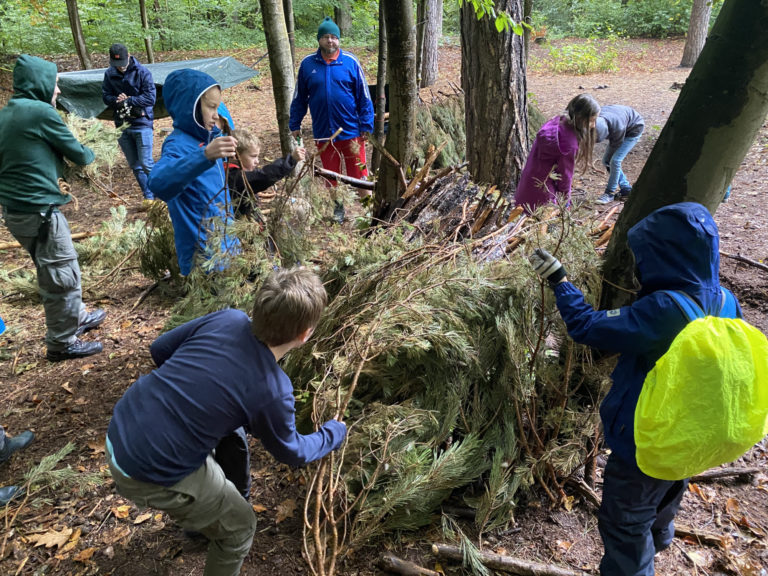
(99, 532)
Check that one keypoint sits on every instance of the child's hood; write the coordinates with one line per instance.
(677, 248)
(549, 135)
(34, 78)
(182, 92)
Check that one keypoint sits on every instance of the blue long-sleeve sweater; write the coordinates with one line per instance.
(212, 377)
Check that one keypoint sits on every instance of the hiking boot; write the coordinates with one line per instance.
(18, 442)
(93, 320)
(605, 198)
(7, 494)
(624, 193)
(78, 349)
(338, 213)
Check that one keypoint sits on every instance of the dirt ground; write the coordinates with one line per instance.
(100, 533)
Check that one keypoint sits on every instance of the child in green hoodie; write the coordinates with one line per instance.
(33, 144)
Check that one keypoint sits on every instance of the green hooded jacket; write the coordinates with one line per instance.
(34, 140)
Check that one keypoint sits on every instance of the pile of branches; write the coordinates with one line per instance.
(454, 375)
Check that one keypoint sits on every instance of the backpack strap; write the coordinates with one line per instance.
(728, 306)
(688, 306)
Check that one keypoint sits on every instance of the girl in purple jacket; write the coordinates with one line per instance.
(562, 142)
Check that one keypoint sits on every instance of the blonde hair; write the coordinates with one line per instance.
(288, 303)
(580, 111)
(245, 140)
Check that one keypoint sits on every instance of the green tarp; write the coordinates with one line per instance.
(81, 91)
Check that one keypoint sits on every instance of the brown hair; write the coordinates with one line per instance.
(289, 302)
(245, 140)
(580, 111)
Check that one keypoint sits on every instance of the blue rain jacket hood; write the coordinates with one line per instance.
(675, 248)
(193, 186)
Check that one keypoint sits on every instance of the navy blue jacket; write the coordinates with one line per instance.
(212, 377)
(194, 187)
(675, 248)
(136, 83)
(337, 95)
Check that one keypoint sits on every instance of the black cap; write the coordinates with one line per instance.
(118, 55)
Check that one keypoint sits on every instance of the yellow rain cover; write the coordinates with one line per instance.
(705, 402)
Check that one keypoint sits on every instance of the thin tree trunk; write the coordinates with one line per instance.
(147, 33)
(432, 31)
(697, 31)
(157, 22)
(380, 104)
(403, 94)
(280, 67)
(291, 29)
(421, 23)
(342, 15)
(720, 109)
(493, 79)
(527, 11)
(77, 34)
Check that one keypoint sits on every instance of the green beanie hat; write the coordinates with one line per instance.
(328, 26)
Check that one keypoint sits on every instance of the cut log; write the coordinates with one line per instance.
(76, 236)
(720, 473)
(356, 182)
(505, 563)
(391, 563)
(603, 240)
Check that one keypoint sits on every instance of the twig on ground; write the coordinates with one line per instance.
(391, 563)
(505, 563)
(745, 260)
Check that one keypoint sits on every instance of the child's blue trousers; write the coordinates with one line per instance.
(636, 518)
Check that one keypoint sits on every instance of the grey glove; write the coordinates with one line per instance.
(547, 266)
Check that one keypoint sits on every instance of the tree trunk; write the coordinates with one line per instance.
(493, 79)
(342, 15)
(280, 67)
(403, 94)
(432, 30)
(291, 28)
(421, 23)
(380, 102)
(77, 35)
(157, 22)
(720, 109)
(527, 11)
(147, 33)
(697, 31)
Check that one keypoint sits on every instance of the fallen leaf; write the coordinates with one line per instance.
(258, 508)
(67, 387)
(96, 446)
(70, 545)
(84, 555)
(51, 538)
(568, 503)
(121, 511)
(703, 493)
(698, 559)
(142, 518)
(564, 545)
(285, 510)
(126, 324)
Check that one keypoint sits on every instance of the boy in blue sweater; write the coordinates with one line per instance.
(215, 376)
(676, 248)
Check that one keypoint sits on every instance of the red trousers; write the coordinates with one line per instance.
(353, 152)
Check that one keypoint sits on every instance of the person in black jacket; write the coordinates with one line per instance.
(245, 179)
(129, 89)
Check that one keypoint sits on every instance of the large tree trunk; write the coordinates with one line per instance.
(720, 109)
(147, 33)
(77, 34)
(291, 28)
(380, 102)
(697, 31)
(342, 15)
(403, 94)
(280, 67)
(493, 79)
(429, 31)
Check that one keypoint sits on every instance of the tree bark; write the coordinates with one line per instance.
(280, 66)
(380, 103)
(493, 79)
(527, 11)
(697, 32)
(77, 34)
(342, 15)
(291, 28)
(403, 94)
(712, 126)
(431, 30)
(147, 33)
(505, 563)
(157, 22)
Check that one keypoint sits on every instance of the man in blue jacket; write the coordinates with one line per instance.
(676, 248)
(333, 84)
(215, 376)
(128, 88)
